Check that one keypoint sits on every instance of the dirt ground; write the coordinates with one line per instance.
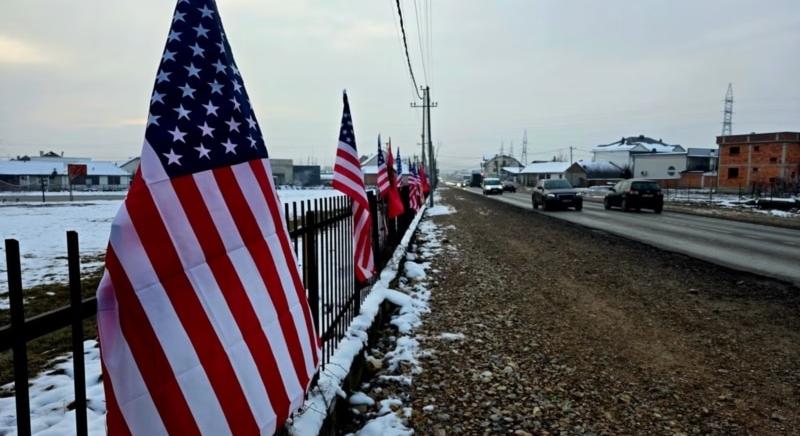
(569, 330)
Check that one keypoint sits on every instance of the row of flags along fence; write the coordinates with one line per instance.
(320, 231)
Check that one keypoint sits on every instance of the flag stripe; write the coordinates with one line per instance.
(184, 360)
(114, 419)
(263, 174)
(259, 250)
(234, 303)
(286, 265)
(165, 259)
(125, 383)
(150, 358)
(250, 277)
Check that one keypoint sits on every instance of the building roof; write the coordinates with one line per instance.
(639, 143)
(701, 152)
(45, 168)
(512, 170)
(546, 168)
(600, 169)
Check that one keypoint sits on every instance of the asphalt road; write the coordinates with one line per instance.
(760, 249)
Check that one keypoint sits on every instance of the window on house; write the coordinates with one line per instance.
(756, 148)
(773, 160)
(733, 151)
(113, 180)
(733, 173)
(755, 169)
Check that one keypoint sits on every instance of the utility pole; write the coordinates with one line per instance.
(570, 155)
(426, 123)
(502, 148)
(511, 149)
(525, 148)
(727, 119)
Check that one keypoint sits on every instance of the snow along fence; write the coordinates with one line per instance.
(321, 233)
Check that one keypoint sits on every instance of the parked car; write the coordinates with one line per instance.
(491, 186)
(635, 194)
(509, 186)
(556, 193)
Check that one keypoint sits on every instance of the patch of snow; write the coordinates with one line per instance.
(451, 336)
(414, 270)
(359, 398)
(440, 209)
(429, 408)
(51, 394)
(386, 425)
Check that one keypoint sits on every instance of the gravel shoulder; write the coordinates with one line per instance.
(568, 330)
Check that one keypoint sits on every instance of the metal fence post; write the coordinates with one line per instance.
(78, 368)
(310, 266)
(373, 213)
(20, 348)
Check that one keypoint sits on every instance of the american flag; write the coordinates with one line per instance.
(399, 161)
(383, 173)
(348, 178)
(203, 319)
(388, 189)
(414, 187)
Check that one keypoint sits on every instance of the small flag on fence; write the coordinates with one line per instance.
(203, 319)
(387, 187)
(399, 169)
(348, 178)
(423, 178)
(414, 187)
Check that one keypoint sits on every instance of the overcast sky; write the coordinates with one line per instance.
(77, 76)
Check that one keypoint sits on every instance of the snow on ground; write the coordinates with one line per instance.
(51, 395)
(401, 363)
(41, 230)
(309, 419)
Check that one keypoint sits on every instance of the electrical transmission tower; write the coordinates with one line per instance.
(727, 120)
(525, 148)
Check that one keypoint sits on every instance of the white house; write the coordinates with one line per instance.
(532, 173)
(659, 166)
(34, 173)
(494, 166)
(621, 152)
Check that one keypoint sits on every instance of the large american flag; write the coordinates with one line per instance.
(348, 178)
(203, 319)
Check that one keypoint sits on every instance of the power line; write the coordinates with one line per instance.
(419, 41)
(405, 45)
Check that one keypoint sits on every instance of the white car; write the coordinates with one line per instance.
(492, 186)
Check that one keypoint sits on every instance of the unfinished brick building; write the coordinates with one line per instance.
(759, 161)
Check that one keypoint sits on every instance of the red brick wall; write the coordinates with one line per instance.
(760, 161)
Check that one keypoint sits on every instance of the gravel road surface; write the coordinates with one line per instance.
(577, 331)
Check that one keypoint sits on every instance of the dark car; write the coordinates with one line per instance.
(509, 186)
(556, 194)
(635, 194)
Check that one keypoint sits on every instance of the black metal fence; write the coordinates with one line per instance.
(321, 233)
